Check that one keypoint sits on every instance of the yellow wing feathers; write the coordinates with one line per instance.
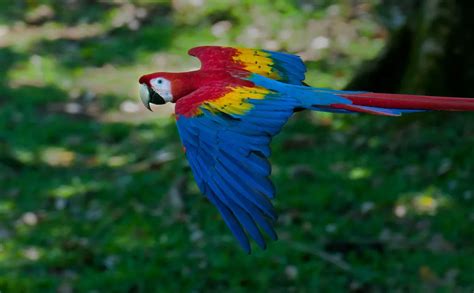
(235, 102)
(256, 61)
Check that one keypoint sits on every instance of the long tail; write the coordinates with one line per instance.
(396, 104)
(321, 99)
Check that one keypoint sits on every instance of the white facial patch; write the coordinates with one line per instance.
(162, 86)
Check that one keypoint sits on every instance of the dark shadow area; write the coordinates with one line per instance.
(429, 50)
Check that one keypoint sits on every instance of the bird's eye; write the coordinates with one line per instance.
(160, 81)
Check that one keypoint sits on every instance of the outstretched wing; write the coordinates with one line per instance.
(279, 66)
(226, 138)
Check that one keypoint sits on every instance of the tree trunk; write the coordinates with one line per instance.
(431, 50)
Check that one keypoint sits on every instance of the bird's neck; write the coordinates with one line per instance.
(183, 83)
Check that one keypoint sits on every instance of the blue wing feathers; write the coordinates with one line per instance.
(249, 225)
(239, 185)
(258, 199)
(249, 127)
(261, 184)
(231, 222)
(248, 201)
(266, 121)
(197, 171)
(246, 163)
(254, 161)
(245, 220)
(290, 67)
(280, 104)
(202, 158)
(234, 213)
(235, 137)
(228, 156)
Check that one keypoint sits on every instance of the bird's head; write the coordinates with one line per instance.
(156, 88)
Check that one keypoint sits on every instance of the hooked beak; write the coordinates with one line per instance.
(148, 95)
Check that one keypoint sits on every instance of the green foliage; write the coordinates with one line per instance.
(95, 194)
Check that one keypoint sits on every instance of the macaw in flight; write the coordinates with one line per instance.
(228, 111)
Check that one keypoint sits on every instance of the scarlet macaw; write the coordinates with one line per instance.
(228, 111)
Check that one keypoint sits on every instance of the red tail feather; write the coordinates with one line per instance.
(399, 101)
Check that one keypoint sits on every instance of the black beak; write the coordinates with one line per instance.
(155, 98)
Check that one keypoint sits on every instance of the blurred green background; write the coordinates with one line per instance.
(96, 196)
